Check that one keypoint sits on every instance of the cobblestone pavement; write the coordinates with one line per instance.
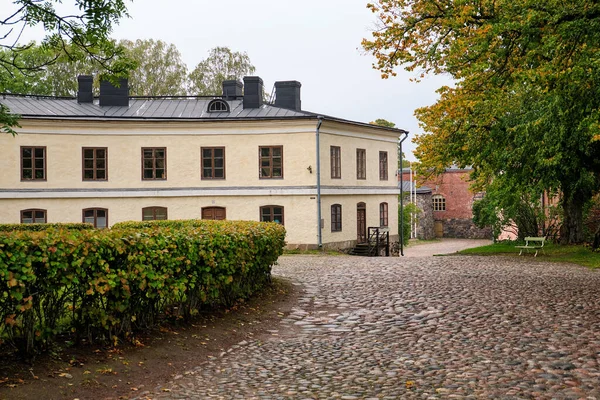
(418, 328)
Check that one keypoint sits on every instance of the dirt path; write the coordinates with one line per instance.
(444, 246)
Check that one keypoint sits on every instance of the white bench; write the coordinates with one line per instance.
(533, 243)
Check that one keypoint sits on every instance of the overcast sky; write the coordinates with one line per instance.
(316, 42)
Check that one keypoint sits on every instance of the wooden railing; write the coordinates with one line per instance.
(379, 239)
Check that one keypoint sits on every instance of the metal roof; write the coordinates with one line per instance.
(158, 108)
(142, 108)
(406, 187)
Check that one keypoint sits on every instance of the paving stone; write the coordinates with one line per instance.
(417, 328)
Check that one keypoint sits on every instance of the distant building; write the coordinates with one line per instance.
(447, 203)
(115, 158)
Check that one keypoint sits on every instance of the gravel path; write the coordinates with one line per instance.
(418, 328)
(442, 246)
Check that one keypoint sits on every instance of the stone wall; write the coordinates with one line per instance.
(425, 229)
(464, 229)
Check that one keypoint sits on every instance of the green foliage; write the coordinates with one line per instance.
(504, 208)
(157, 71)
(409, 209)
(222, 64)
(104, 284)
(77, 36)
(160, 70)
(592, 222)
(526, 99)
(383, 122)
(77, 226)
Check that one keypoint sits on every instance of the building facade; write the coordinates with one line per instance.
(115, 158)
(451, 206)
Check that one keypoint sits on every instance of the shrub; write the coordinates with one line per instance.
(42, 227)
(110, 283)
(409, 209)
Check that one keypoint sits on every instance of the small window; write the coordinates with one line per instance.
(33, 216)
(96, 216)
(218, 105)
(270, 162)
(383, 166)
(361, 164)
(383, 214)
(154, 163)
(271, 214)
(154, 213)
(33, 163)
(336, 218)
(95, 161)
(439, 202)
(213, 162)
(336, 162)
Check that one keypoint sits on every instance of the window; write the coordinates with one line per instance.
(218, 105)
(361, 164)
(271, 214)
(439, 202)
(154, 163)
(213, 162)
(154, 213)
(95, 163)
(33, 216)
(215, 213)
(383, 214)
(33, 163)
(336, 218)
(336, 162)
(96, 216)
(271, 161)
(383, 166)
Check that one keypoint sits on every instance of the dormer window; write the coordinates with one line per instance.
(218, 105)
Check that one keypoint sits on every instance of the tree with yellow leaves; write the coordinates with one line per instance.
(526, 100)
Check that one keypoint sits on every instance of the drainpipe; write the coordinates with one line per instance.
(401, 230)
(319, 230)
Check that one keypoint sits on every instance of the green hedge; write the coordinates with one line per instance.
(42, 227)
(106, 284)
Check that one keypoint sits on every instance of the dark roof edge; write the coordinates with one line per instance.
(307, 116)
(347, 121)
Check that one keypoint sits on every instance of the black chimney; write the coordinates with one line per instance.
(232, 90)
(287, 95)
(253, 92)
(84, 89)
(114, 96)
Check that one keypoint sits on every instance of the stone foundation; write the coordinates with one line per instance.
(341, 246)
(464, 229)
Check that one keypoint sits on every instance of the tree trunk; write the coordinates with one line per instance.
(571, 231)
(596, 243)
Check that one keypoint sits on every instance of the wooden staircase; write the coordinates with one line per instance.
(377, 245)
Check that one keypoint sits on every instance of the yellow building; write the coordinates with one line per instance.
(114, 158)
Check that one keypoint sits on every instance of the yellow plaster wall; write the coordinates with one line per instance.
(299, 211)
(348, 146)
(349, 220)
(64, 142)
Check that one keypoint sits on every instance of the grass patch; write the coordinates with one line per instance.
(576, 254)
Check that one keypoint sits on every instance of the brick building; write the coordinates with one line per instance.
(451, 206)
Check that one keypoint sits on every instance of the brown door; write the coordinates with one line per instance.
(213, 213)
(438, 227)
(361, 223)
